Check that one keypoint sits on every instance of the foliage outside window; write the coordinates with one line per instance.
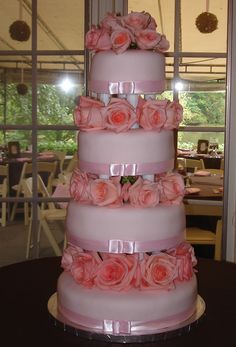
(55, 107)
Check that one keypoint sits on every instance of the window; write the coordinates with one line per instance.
(196, 65)
(40, 79)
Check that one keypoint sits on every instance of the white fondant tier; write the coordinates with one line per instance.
(132, 72)
(149, 151)
(135, 311)
(125, 229)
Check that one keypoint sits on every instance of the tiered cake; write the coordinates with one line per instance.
(127, 269)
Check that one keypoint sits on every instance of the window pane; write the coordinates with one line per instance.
(189, 140)
(192, 40)
(206, 109)
(58, 86)
(10, 13)
(60, 25)
(203, 69)
(57, 140)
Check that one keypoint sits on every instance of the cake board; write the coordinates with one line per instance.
(159, 335)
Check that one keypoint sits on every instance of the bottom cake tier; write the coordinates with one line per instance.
(127, 312)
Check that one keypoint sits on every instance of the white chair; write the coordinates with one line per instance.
(60, 155)
(45, 216)
(72, 164)
(4, 174)
(202, 236)
(61, 159)
(44, 168)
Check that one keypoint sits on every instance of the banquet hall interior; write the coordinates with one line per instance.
(44, 69)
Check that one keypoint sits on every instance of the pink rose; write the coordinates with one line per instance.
(79, 186)
(147, 39)
(174, 113)
(186, 259)
(116, 272)
(98, 39)
(104, 192)
(119, 115)
(121, 40)
(125, 191)
(134, 192)
(152, 114)
(163, 44)
(83, 269)
(111, 22)
(171, 188)
(158, 271)
(119, 202)
(137, 21)
(144, 194)
(67, 258)
(152, 23)
(88, 115)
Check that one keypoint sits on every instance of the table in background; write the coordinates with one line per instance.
(209, 162)
(15, 166)
(26, 287)
(211, 187)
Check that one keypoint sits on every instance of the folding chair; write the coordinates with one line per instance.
(3, 192)
(46, 169)
(44, 215)
(202, 236)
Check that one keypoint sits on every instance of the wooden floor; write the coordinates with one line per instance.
(13, 243)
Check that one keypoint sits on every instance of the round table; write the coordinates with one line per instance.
(26, 287)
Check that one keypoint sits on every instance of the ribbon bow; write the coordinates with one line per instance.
(121, 87)
(123, 169)
(121, 246)
(116, 327)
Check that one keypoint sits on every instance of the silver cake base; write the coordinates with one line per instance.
(158, 335)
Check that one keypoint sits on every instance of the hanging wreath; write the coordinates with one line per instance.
(22, 89)
(206, 22)
(20, 30)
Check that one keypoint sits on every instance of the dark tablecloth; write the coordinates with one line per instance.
(26, 287)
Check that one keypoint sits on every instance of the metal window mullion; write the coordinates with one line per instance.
(35, 252)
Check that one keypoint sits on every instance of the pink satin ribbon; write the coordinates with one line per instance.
(118, 327)
(125, 246)
(126, 169)
(127, 87)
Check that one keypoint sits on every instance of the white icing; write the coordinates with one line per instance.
(132, 65)
(132, 305)
(135, 146)
(125, 223)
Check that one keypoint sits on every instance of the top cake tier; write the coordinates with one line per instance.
(132, 72)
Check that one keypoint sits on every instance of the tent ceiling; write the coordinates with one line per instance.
(61, 27)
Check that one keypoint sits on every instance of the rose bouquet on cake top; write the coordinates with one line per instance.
(119, 33)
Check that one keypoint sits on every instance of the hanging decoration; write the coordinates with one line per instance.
(21, 87)
(20, 30)
(206, 22)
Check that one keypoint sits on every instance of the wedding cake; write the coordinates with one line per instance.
(127, 268)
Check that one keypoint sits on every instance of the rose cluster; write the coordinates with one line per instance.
(90, 189)
(136, 30)
(119, 115)
(120, 272)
